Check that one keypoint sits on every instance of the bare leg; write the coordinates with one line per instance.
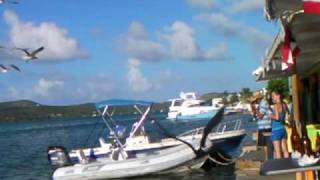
(284, 148)
(277, 149)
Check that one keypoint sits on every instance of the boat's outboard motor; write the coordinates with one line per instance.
(58, 157)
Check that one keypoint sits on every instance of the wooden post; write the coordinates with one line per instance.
(295, 83)
(296, 89)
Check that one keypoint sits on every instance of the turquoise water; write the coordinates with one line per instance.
(23, 145)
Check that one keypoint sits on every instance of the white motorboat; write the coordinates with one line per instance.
(138, 156)
(189, 107)
(158, 161)
(226, 134)
(238, 108)
(139, 143)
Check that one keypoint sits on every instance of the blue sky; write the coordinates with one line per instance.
(137, 49)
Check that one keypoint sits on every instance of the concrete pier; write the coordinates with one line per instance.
(248, 166)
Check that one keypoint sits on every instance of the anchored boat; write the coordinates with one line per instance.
(189, 107)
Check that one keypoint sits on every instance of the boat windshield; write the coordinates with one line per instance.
(178, 102)
(206, 103)
(189, 96)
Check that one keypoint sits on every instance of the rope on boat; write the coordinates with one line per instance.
(91, 133)
(223, 157)
(218, 162)
(229, 160)
(166, 133)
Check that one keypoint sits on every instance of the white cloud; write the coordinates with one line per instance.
(218, 52)
(230, 29)
(183, 44)
(58, 45)
(137, 82)
(45, 87)
(182, 41)
(246, 5)
(179, 43)
(14, 93)
(206, 4)
(98, 87)
(168, 76)
(137, 44)
(63, 89)
(229, 6)
(140, 85)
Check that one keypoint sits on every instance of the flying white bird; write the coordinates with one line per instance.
(5, 69)
(15, 67)
(30, 55)
(7, 1)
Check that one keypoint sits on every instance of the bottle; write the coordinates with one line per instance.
(305, 141)
(295, 138)
(318, 145)
(317, 152)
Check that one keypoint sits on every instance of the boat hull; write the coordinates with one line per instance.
(131, 153)
(174, 159)
(228, 140)
(229, 144)
(104, 169)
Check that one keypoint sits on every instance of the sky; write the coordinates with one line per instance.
(131, 49)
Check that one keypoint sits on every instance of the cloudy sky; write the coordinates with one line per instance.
(131, 49)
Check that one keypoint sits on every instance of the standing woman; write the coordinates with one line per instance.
(278, 132)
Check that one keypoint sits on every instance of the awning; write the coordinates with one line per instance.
(305, 29)
(121, 102)
(274, 9)
(271, 67)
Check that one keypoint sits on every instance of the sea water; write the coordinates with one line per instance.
(23, 144)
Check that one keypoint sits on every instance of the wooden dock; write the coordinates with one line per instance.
(248, 166)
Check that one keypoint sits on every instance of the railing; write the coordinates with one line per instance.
(225, 126)
(192, 132)
(233, 125)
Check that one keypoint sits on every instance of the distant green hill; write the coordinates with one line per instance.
(209, 96)
(29, 110)
(21, 103)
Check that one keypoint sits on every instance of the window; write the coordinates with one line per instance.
(177, 103)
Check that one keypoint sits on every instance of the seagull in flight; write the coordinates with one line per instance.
(30, 55)
(5, 69)
(15, 67)
(7, 1)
